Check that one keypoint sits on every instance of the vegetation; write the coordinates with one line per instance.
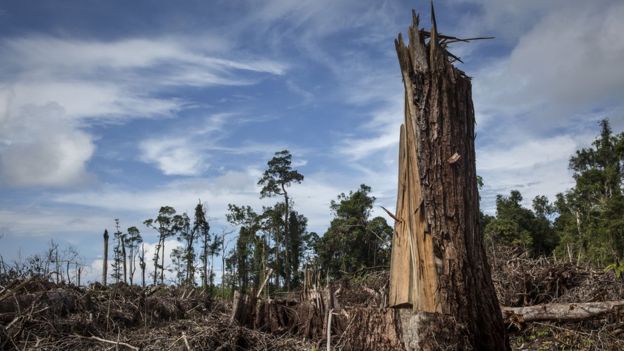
(586, 223)
(353, 240)
(583, 225)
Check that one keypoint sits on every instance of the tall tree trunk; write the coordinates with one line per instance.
(438, 237)
(123, 253)
(67, 270)
(156, 254)
(286, 234)
(131, 262)
(105, 265)
(162, 263)
(190, 269)
(205, 262)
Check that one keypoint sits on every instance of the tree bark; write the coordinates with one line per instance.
(438, 238)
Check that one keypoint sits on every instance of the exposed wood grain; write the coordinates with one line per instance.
(438, 264)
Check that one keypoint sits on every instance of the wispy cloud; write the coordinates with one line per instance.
(53, 87)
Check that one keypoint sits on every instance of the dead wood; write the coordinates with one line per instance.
(438, 262)
(561, 311)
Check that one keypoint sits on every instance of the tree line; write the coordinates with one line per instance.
(271, 240)
(584, 224)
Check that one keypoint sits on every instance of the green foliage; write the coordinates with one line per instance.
(276, 178)
(247, 255)
(585, 224)
(119, 254)
(279, 175)
(618, 269)
(186, 254)
(165, 225)
(133, 239)
(515, 225)
(352, 241)
(591, 214)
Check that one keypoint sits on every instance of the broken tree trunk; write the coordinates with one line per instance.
(105, 263)
(560, 311)
(439, 266)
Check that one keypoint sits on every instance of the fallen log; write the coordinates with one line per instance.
(560, 311)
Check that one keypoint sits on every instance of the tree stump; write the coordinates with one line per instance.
(439, 266)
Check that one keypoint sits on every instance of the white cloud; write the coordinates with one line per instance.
(384, 127)
(54, 86)
(531, 153)
(41, 222)
(567, 64)
(538, 166)
(173, 156)
(41, 146)
(231, 187)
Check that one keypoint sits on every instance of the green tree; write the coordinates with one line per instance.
(353, 241)
(591, 213)
(119, 255)
(165, 226)
(272, 226)
(276, 179)
(516, 225)
(133, 239)
(249, 257)
(297, 234)
(187, 236)
(178, 260)
(201, 227)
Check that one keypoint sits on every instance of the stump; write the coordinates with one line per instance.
(439, 267)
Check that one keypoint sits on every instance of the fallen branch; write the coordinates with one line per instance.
(109, 342)
(560, 311)
(266, 279)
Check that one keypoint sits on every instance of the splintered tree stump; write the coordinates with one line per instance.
(370, 329)
(439, 267)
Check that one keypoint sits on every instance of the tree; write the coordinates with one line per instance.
(133, 239)
(439, 266)
(201, 227)
(591, 214)
(215, 246)
(165, 226)
(272, 225)
(178, 259)
(276, 178)
(182, 223)
(248, 256)
(119, 255)
(515, 225)
(297, 233)
(142, 264)
(352, 241)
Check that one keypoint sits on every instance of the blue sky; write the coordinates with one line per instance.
(111, 109)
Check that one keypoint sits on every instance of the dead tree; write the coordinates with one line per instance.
(105, 265)
(439, 267)
(561, 311)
